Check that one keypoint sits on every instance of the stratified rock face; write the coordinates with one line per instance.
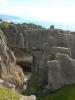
(40, 47)
(9, 71)
(63, 50)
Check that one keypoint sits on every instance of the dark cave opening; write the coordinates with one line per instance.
(25, 66)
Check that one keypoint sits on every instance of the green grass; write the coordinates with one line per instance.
(4, 25)
(6, 94)
(66, 93)
(33, 84)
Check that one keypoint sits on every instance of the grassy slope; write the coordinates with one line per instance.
(66, 93)
(6, 94)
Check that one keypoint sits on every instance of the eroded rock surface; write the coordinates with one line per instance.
(38, 48)
(9, 71)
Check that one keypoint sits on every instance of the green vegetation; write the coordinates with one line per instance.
(4, 25)
(33, 84)
(66, 93)
(6, 94)
(52, 27)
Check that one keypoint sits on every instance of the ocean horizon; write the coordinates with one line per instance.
(64, 26)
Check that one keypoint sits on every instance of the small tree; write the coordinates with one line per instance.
(0, 20)
(52, 27)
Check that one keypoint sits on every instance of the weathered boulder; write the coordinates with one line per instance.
(61, 72)
(55, 79)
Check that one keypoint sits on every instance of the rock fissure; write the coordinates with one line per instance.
(25, 66)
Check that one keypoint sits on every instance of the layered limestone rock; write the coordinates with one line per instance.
(63, 50)
(39, 48)
(9, 71)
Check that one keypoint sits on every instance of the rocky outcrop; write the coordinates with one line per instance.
(39, 49)
(9, 71)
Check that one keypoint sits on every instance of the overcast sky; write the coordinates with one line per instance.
(40, 10)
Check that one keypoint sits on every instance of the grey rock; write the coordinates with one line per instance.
(61, 72)
(55, 79)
